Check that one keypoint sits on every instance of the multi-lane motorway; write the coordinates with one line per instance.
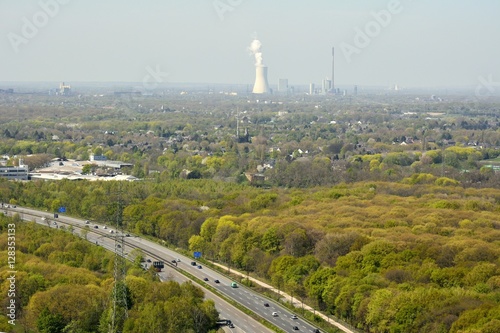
(265, 308)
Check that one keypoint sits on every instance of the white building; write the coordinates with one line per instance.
(15, 172)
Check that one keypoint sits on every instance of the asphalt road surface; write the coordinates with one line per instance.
(153, 251)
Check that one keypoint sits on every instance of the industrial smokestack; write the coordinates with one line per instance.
(333, 69)
(260, 86)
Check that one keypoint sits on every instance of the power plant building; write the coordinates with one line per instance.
(64, 89)
(283, 85)
(261, 85)
(326, 86)
(311, 89)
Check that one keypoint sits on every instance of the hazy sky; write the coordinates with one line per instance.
(410, 43)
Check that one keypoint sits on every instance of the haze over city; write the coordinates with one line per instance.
(250, 166)
(377, 43)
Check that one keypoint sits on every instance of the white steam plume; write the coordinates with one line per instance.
(255, 49)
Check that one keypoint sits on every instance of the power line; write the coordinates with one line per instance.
(120, 306)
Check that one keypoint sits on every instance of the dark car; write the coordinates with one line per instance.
(193, 263)
(231, 325)
(266, 305)
(317, 331)
(199, 266)
(149, 260)
(216, 281)
(295, 328)
(205, 279)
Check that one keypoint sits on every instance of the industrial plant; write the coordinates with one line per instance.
(261, 85)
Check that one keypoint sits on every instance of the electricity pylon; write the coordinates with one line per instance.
(120, 306)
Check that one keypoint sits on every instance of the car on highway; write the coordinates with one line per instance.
(87, 222)
(205, 279)
(231, 325)
(317, 331)
(178, 260)
(294, 317)
(199, 267)
(275, 314)
(96, 227)
(295, 328)
(216, 281)
(266, 305)
(105, 227)
(193, 263)
(149, 260)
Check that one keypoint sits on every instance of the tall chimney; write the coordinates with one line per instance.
(333, 69)
(261, 86)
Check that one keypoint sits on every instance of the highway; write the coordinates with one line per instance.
(255, 302)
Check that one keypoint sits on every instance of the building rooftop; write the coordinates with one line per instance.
(72, 169)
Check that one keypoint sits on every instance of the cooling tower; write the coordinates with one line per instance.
(261, 86)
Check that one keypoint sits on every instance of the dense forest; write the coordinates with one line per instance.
(64, 284)
(381, 210)
(420, 255)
